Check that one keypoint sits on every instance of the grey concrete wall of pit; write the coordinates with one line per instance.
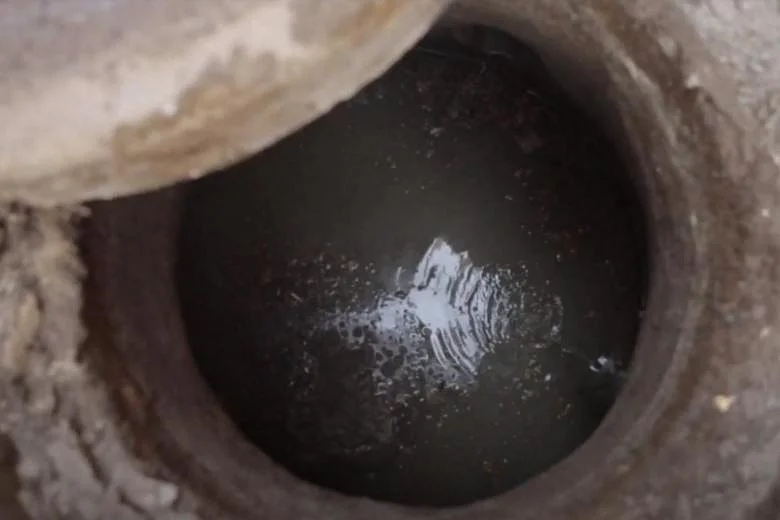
(100, 99)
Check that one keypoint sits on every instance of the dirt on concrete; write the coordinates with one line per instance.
(696, 80)
(62, 449)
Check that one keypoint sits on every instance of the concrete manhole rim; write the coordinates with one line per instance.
(704, 439)
(143, 98)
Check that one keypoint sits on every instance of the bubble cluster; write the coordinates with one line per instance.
(437, 321)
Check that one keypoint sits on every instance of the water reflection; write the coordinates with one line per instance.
(438, 319)
(378, 300)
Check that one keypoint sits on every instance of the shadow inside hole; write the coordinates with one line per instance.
(428, 295)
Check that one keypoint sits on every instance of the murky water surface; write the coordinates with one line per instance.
(427, 296)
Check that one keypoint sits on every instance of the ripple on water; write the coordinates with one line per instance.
(433, 325)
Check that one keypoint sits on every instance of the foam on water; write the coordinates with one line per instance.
(435, 323)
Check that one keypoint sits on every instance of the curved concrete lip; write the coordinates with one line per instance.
(700, 121)
(101, 98)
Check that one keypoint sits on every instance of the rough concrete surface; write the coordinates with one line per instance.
(60, 442)
(101, 98)
(147, 93)
(749, 50)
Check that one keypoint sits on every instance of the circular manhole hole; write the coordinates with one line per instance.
(428, 295)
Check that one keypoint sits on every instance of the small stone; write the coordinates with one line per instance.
(692, 81)
(723, 402)
(146, 493)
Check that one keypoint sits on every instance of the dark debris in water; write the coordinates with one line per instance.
(314, 316)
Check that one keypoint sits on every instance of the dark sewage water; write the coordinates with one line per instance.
(428, 295)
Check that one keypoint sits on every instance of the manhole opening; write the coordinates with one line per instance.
(428, 295)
